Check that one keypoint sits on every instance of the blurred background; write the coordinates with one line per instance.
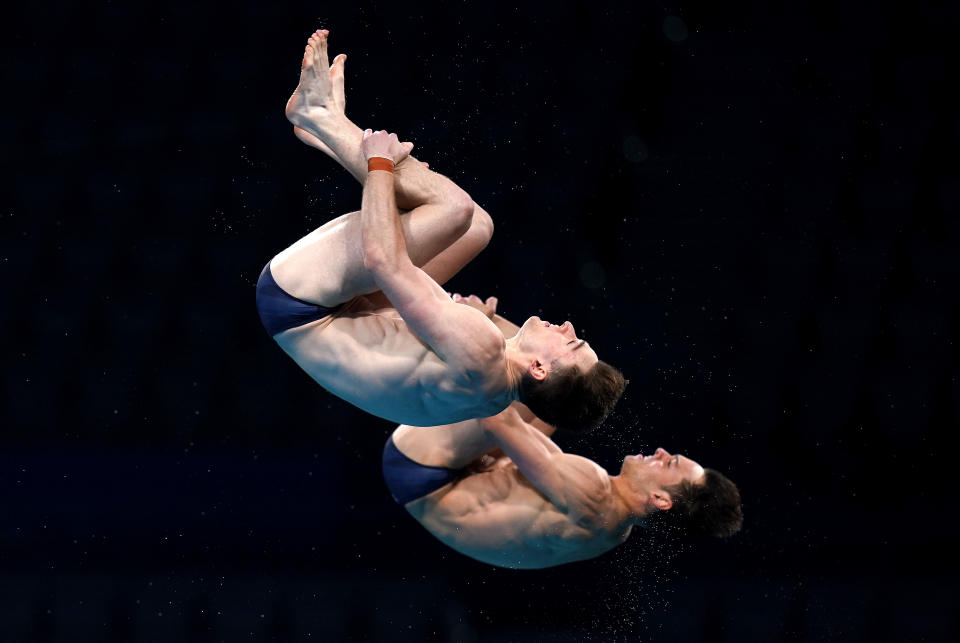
(751, 210)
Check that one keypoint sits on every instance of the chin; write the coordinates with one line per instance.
(532, 322)
(631, 461)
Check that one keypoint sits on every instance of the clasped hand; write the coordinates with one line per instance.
(488, 307)
(384, 145)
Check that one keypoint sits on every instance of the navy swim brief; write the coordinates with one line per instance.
(409, 480)
(279, 310)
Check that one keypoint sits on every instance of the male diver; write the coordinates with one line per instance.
(502, 492)
(358, 305)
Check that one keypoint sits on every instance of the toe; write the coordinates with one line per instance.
(336, 75)
(321, 58)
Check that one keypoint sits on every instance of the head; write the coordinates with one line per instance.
(703, 500)
(564, 382)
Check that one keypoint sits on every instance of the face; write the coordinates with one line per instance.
(661, 470)
(551, 343)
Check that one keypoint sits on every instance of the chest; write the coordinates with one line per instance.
(372, 360)
(495, 518)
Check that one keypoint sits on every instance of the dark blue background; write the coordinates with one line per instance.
(753, 211)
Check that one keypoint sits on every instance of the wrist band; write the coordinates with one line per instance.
(379, 163)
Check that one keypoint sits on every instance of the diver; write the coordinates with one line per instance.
(499, 490)
(358, 303)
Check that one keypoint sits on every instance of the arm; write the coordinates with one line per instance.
(509, 329)
(456, 333)
(488, 308)
(567, 481)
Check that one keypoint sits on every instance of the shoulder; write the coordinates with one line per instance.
(590, 473)
(589, 490)
(482, 351)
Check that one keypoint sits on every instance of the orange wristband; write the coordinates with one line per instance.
(380, 163)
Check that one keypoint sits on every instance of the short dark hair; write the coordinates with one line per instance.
(571, 399)
(711, 507)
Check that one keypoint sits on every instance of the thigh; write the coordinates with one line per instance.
(323, 267)
(326, 266)
(453, 446)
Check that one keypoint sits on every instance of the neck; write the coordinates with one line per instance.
(516, 364)
(629, 507)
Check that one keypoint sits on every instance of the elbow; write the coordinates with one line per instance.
(375, 260)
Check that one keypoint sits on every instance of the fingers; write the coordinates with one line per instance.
(488, 307)
(387, 143)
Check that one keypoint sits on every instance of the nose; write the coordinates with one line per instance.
(568, 329)
(662, 453)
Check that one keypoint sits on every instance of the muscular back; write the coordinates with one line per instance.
(369, 357)
(496, 516)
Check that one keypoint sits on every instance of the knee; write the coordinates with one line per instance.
(459, 206)
(481, 224)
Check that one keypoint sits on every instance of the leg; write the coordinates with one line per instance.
(444, 230)
(316, 109)
(452, 446)
(449, 261)
(326, 266)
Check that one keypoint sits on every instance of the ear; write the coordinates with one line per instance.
(538, 370)
(661, 500)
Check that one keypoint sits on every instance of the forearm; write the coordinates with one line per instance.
(384, 245)
(528, 416)
(516, 436)
(415, 183)
(507, 327)
(534, 454)
(519, 442)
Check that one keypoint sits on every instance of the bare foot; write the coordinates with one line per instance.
(318, 100)
(313, 141)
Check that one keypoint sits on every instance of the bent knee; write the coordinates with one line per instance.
(461, 209)
(481, 224)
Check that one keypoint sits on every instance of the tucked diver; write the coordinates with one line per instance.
(409, 353)
(502, 492)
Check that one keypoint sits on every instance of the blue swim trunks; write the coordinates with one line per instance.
(279, 310)
(409, 480)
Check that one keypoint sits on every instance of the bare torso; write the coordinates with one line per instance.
(496, 516)
(366, 355)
